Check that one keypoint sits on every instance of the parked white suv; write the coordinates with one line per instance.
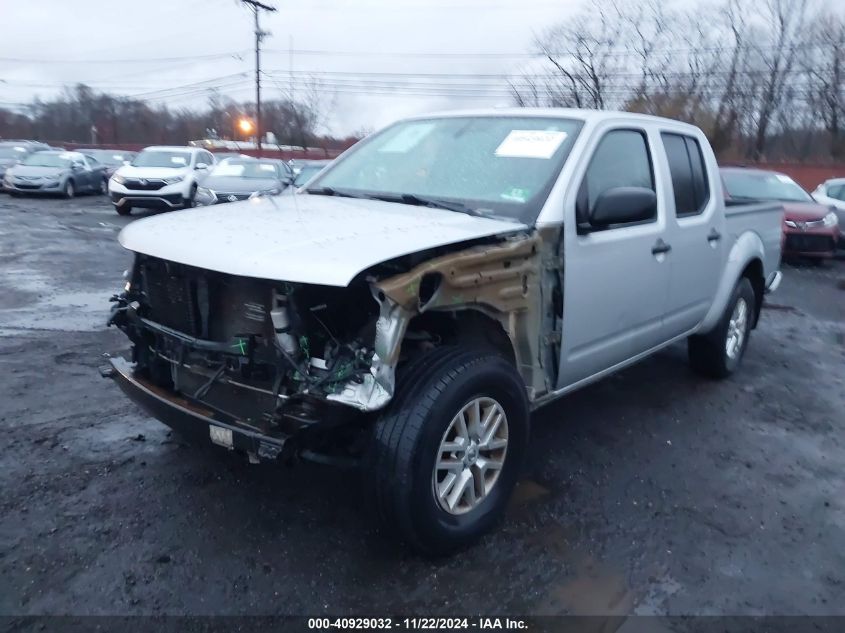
(160, 177)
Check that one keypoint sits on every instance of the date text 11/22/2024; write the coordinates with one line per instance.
(418, 623)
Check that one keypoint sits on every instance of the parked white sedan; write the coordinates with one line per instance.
(832, 192)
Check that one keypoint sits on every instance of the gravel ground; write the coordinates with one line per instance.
(652, 492)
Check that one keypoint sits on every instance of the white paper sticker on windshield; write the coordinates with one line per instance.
(530, 144)
(269, 168)
(407, 138)
(178, 160)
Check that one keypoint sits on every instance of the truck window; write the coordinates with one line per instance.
(689, 180)
(621, 159)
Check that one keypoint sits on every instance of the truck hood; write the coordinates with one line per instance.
(303, 238)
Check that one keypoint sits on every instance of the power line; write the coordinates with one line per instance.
(620, 52)
(147, 60)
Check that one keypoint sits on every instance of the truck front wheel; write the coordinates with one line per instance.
(446, 454)
(717, 354)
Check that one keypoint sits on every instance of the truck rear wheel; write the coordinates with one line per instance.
(717, 354)
(446, 454)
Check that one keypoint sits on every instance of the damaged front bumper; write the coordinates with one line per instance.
(193, 419)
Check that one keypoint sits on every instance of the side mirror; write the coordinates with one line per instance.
(77, 166)
(126, 163)
(622, 205)
(202, 166)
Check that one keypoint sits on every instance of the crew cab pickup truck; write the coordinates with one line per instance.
(408, 309)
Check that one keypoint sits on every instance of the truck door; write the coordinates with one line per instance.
(615, 278)
(694, 228)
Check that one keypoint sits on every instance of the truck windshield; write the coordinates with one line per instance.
(498, 165)
(763, 185)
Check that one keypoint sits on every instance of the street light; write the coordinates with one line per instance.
(245, 125)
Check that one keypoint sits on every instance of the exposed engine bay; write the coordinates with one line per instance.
(294, 358)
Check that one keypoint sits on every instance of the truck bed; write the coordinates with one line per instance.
(765, 219)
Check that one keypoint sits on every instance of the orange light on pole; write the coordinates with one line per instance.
(245, 126)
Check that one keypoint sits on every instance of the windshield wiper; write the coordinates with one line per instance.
(435, 203)
(328, 191)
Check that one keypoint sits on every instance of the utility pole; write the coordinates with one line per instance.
(259, 35)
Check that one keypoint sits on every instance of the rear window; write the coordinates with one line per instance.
(689, 176)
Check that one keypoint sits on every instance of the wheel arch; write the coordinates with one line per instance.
(744, 260)
(471, 326)
(753, 271)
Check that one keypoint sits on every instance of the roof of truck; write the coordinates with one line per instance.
(583, 114)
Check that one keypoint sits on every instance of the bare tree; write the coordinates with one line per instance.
(585, 54)
(776, 54)
(825, 64)
(729, 100)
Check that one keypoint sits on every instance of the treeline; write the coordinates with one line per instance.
(765, 79)
(71, 116)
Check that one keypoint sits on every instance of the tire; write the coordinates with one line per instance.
(104, 188)
(124, 210)
(69, 191)
(408, 438)
(188, 203)
(718, 353)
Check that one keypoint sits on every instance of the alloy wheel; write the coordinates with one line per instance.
(471, 455)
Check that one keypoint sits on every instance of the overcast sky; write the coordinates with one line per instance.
(350, 45)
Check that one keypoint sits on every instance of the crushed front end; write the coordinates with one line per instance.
(282, 366)
(268, 361)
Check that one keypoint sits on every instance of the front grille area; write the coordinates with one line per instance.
(204, 304)
(171, 295)
(223, 197)
(809, 243)
(141, 184)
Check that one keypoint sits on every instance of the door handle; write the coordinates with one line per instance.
(660, 247)
(714, 236)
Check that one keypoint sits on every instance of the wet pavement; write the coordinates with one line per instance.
(652, 492)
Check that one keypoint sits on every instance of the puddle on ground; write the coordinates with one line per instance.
(65, 312)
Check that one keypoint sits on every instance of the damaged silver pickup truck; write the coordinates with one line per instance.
(417, 299)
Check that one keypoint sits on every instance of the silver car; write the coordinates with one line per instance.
(56, 172)
(832, 192)
(13, 152)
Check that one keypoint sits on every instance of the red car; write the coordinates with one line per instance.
(810, 229)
